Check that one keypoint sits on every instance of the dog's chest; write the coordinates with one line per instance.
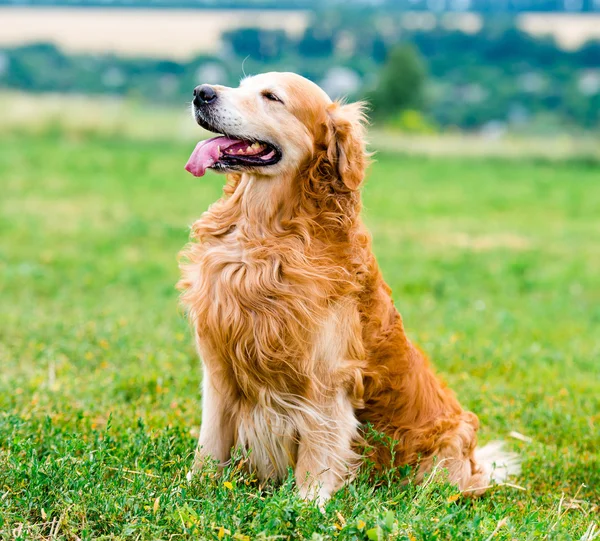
(252, 316)
(233, 273)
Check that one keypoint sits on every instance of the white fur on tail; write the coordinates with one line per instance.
(497, 463)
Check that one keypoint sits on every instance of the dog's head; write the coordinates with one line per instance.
(279, 124)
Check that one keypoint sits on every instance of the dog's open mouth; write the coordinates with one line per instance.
(226, 153)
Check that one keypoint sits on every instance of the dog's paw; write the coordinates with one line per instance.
(313, 492)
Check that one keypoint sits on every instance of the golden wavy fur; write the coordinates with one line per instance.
(300, 341)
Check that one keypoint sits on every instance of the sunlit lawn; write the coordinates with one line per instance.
(494, 264)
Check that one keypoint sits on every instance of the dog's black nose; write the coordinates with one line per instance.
(204, 94)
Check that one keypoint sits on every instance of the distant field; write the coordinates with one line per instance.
(137, 32)
(494, 264)
(182, 34)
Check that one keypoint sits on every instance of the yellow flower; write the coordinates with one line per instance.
(228, 485)
(361, 524)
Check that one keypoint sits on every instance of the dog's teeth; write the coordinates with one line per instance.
(252, 149)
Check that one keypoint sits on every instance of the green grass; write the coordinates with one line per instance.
(494, 265)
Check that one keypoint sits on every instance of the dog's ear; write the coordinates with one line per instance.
(346, 145)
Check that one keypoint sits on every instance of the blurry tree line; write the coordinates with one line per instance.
(416, 80)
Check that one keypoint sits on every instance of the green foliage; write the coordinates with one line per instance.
(317, 42)
(494, 266)
(410, 121)
(401, 83)
(259, 44)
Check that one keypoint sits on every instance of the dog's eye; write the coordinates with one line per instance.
(270, 96)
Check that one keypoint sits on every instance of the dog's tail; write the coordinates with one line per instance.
(497, 464)
(490, 465)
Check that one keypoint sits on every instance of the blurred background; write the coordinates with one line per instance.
(494, 68)
(483, 201)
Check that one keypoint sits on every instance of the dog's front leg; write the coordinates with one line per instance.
(325, 456)
(217, 430)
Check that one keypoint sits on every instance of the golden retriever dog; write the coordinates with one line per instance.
(300, 341)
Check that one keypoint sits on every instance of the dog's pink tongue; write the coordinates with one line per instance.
(206, 154)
